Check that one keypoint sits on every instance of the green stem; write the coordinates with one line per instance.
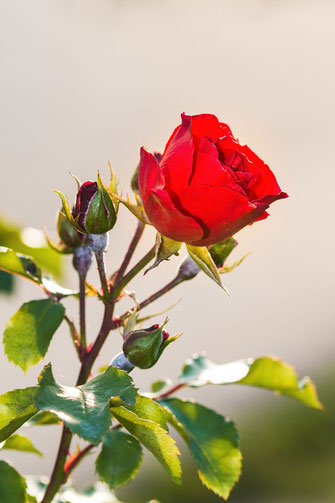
(134, 271)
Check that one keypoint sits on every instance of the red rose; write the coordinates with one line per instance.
(206, 186)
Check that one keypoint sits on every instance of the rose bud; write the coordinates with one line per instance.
(207, 186)
(144, 347)
(69, 236)
(95, 208)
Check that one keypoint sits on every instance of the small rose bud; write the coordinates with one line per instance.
(94, 209)
(144, 347)
(67, 233)
(188, 269)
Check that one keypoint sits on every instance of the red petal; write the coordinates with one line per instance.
(263, 187)
(221, 211)
(209, 170)
(149, 175)
(168, 220)
(209, 126)
(177, 160)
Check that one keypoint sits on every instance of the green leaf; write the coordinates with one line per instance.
(85, 409)
(57, 290)
(18, 264)
(213, 442)
(43, 418)
(146, 408)
(153, 437)
(29, 332)
(165, 248)
(220, 251)
(201, 256)
(30, 241)
(20, 443)
(160, 385)
(12, 485)
(119, 460)
(265, 372)
(16, 407)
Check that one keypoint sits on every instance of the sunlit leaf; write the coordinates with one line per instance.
(213, 442)
(265, 372)
(16, 407)
(28, 333)
(85, 409)
(20, 443)
(12, 485)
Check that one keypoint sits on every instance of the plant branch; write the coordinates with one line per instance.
(171, 390)
(134, 271)
(130, 252)
(74, 335)
(82, 310)
(102, 273)
(58, 471)
(120, 321)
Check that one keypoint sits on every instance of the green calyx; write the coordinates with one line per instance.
(144, 347)
(67, 233)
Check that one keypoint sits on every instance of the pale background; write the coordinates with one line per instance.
(83, 82)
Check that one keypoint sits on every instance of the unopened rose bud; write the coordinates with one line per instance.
(69, 236)
(144, 347)
(94, 209)
(188, 269)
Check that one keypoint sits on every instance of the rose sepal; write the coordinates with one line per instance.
(165, 248)
(67, 211)
(201, 256)
(136, 209)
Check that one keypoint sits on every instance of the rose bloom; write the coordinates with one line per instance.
(206, 186)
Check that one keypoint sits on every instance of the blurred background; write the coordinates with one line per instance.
(87, 81)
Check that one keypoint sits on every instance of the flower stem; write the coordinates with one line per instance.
(134, 271)
(99, 256)
(120, 321)
(82, 310)
(58, 471)
(130, 252)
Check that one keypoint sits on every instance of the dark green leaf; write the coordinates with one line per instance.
(119, 460)
(153, 437)
(29, 332)
(16, 407)
(20, 443)
(85, 409)
(201, 256)
(213, 442)
(265, 372)
(12, 485)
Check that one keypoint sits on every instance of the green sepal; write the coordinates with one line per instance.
(213, 442)
(68, 234)
(201, 256)
(68, 213)
(135, 209)
(221, 250)
(59, 248)
(229, 268)
(20, 443)
(165, 248)
(268, 373)
(113, 187)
